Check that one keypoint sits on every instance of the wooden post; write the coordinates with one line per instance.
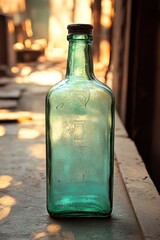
(96, 10)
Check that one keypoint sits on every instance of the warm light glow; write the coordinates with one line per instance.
(83, 11)
(2, 130)
(42, 42)
(45, 77)
(35, 46)
(4, 212)
(18, 46)
(40, 235)
(10, 6)
(110, 79)
(5, 181)
(106, 21)
(26, 71)
(15, 116)
(27, 43)
(14, 69)
(24, 118)
(37, 150)
(51, 52)
(62, 14)
(105, 52)
(53, 228)
(26, 133)
(28, 28)
(57, 31)
(10, 26)
(6, 202)
(38, 117)
(107, 7)
(4, 111)
(19, 80)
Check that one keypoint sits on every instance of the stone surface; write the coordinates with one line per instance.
(8, 104)
(32, 102)
(23, 213)
(10, 94)
(142, 192)
(4, 80)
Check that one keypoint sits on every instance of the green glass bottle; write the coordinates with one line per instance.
(79, 136)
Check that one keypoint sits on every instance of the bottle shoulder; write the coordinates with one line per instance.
(60, 86)
(104, 87)
(91, 85)
(81, 98)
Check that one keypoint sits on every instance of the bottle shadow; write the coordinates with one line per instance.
(114, 227)
(80, 228)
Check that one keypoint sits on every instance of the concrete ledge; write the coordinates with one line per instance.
(23, 213)
(143, 195)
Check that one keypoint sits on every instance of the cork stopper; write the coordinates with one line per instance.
(80, 29)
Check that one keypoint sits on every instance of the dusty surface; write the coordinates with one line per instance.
(23, 213)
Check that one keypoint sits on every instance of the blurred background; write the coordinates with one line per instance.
(126, 51)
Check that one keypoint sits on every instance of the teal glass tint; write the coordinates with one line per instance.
(79, 139)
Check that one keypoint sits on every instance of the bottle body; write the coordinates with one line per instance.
(79, 135)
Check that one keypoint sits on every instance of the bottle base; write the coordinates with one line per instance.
(79, 215)
(83, 211)
(96, 204)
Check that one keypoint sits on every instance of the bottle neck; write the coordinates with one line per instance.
(79, 62)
